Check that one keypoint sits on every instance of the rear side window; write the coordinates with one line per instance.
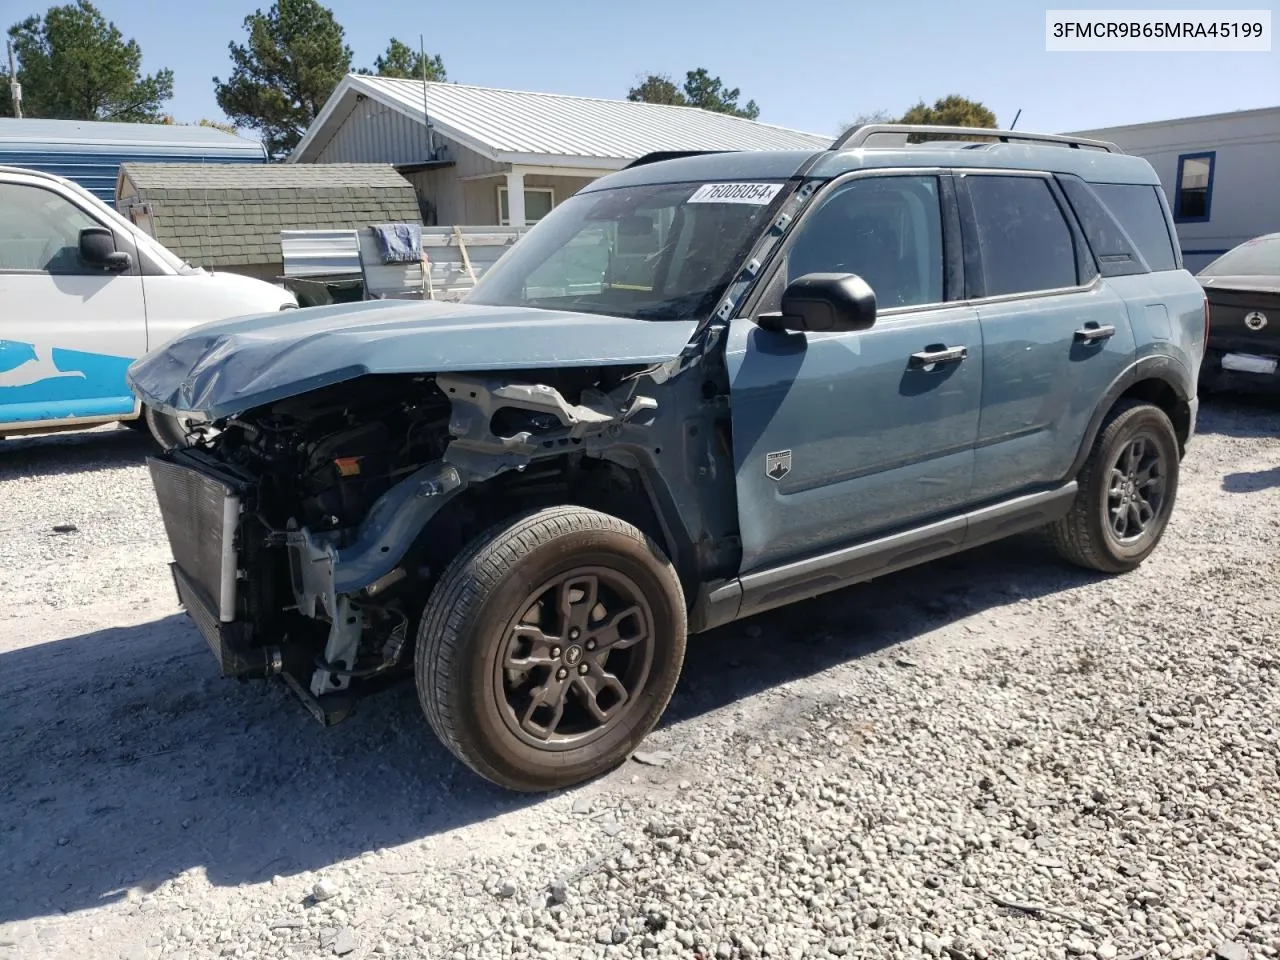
(1024, 239)
(1137, 206)
(1114, 251)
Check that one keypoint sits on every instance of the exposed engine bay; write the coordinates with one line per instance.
(328, 509)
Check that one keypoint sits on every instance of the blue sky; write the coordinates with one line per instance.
(809, 66)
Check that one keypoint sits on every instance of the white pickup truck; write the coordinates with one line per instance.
(84, 292)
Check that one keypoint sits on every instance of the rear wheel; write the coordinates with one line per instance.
(1128, 487)
(550, 648)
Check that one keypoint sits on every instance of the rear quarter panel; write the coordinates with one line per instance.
(1166, 313)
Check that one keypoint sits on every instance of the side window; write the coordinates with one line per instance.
(40, 231)
(1022, 235)
(887, 230)
(1194, 193)
(1115, 252)
(1138, 208)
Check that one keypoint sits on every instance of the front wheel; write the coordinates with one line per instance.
(550, 648)
(1127, 489)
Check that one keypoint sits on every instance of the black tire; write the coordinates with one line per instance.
(1089, 536)
(480, 611)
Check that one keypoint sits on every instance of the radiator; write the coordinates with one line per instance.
(201, 514)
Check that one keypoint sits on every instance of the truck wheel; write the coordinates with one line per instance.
(550, 648)
(1127, 491)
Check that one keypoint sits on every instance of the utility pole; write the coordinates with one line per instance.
(15, 88)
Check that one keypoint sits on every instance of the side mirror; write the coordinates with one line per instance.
(824, 303)
(98, 249)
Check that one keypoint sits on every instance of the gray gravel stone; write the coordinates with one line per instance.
(1097, 746)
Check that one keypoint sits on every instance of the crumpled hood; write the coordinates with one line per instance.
(224, 368)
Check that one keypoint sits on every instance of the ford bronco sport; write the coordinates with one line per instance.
(703, 387)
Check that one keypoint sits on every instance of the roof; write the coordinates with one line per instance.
(82, 133)
(512, 126)
(268, 176)
(90, 153)
(228, 215)
(1095, 166)
(1262, 113)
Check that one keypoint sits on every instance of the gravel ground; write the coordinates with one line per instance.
(993, 756)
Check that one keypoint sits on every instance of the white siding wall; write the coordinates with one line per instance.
(1245, 199)
(374, 133)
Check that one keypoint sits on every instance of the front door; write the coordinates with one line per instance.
(840, 436)
(68, 331)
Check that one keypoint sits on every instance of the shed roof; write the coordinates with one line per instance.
(512, 126)
(269, 176)
(80, 133)
(232, 215)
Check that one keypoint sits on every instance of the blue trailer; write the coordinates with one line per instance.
(90, 152)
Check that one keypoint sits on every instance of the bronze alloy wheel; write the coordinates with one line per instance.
(575, 659)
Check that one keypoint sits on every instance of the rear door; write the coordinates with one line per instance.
(840, 436)
(1055, 336)
(68, 331)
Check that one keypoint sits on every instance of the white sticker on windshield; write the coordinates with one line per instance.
(756, 193)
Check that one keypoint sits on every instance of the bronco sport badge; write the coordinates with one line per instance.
(778, 464)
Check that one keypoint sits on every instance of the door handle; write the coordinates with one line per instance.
(937, 354)
(1091, 332)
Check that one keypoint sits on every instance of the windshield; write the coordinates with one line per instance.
(1254, 258)
(653, 252)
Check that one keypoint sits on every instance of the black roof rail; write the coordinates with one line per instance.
(859, 134)
(660, 155)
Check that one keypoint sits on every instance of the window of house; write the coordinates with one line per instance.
(538, 202)
(1194, 192)
(1023, 237)
(887, 230)
(40, 231)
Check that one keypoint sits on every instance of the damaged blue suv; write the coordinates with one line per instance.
(703, 387)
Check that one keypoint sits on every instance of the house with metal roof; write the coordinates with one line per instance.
(230, 217)
(90, 152)
(483, 156)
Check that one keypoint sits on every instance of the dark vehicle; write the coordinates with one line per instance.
(700, 388)
(1243, 286)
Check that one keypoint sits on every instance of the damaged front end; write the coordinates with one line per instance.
(306, 533)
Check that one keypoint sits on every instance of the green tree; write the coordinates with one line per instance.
(950, 111)
(281, 79)
(657, 88)
(402, 61)
(700, 90)
(74, 64)
(708, 92)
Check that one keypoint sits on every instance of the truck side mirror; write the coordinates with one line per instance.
(98, 249)
(824, 303)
